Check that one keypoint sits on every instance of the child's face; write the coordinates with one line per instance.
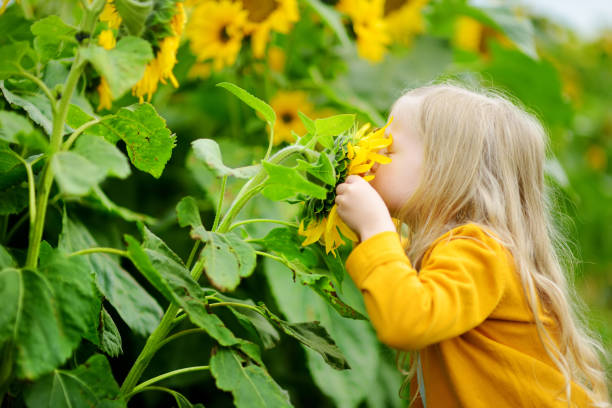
(396, 181)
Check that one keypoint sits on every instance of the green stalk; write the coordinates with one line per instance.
(153, 380)
(59, 119)
(100, 250)
(249, 190)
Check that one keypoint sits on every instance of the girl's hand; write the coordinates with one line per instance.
(362, 208)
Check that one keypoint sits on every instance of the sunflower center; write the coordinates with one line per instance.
(259, 10)
(287, 117)
(392, 5)
(223, 34)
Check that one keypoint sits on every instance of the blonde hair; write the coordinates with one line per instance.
(483, 163)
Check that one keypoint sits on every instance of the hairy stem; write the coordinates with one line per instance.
(59, 119)
(153, 380)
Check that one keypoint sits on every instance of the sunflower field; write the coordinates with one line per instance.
(168, 234)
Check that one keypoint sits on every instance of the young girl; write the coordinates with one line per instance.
(479, 293)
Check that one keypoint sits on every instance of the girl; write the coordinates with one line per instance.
(479, 292)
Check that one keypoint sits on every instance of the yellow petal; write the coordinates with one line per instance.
(313, 232)
(351, 151)
(362, 168)
(346, 231)
(379, 158)
(369, 177)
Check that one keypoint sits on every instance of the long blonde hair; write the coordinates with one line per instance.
(484, 156)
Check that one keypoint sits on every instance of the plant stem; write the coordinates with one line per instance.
(152, 344)
(31, 187)
(219, 204)
(276, 258)
(179, 334)
(100, 249)
(196, 245)
(254, 220)
(235, 304)
(153, 380)
(42, 86)
(81, 129)
(59, 118)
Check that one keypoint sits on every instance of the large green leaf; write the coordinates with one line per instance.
(46, 314)
(35, 103)
(321, 169)
(227, 258)
(137, 308)
(327, 128)
(134, 14)
(122, 66)
(173, 280)
(148, 141)
(11, 56)
(355, 339)
(254, 102)
(250, 384)
(6, 259)
(51, 36)
(74, 173)
(285, 182)
(89, 385)
(105, 156)
(207, 150)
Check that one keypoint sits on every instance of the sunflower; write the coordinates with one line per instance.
(110, 15)
(106, 39)
(352, 155)
(472, 35)
(160, 68)
(369, 26)
(268, 15)
(104, 92)
(287, 104)
(215, 31)
(404, 19)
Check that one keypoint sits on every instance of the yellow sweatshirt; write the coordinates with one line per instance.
(466, 312)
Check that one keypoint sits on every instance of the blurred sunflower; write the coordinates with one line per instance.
(106, 39)
(160, 68)
(472, 35)
(268, 15)
(287, 104)
(369, 26)
(110, 16)
(351, 155)
(404, 19)
(215, 31)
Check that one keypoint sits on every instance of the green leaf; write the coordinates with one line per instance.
(122, 66)
(176, 284)
(355, 338)
(134, 14)
(74, 173)
(36, 104)
(207, 150)
(98, 200)
(51, 35)
(309, 124)
(332, 18)
(14, 200)
(260, 106)
(253, 322)
(45, 314)
(321, 169)
(105, 156)
(6, 259)
(110, 339)
(285, 182)
(227, 259)
(314, 336)
(250, 384)
(327, 128)
(89, 385)
(11, 56)
(13, 124)
(323, 286)
(137, 308)
(148, 141)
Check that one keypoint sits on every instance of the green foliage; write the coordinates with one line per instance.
(207, 150)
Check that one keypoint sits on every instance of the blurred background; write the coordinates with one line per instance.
(357, 56)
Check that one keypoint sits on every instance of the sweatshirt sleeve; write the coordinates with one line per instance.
(460, 283)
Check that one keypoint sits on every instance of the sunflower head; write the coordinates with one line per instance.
(352, 153)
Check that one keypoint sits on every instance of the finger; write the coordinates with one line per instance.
(352, 179)
(341, 188)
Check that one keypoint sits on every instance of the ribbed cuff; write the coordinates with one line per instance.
(374, 251)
